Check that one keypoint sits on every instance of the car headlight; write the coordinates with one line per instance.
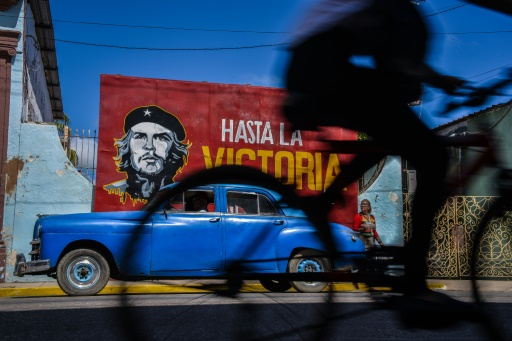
(39, 230)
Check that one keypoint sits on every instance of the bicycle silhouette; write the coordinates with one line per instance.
(418, 307)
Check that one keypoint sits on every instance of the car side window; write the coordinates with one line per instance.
(199, 201)
(266, 206)
(242, 203)
(193, 201)
(249, 203)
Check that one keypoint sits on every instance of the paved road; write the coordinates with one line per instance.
(200, 316)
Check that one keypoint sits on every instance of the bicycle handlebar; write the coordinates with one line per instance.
(477, 96)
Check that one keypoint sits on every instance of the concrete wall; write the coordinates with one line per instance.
(385, 196)
(40, 178)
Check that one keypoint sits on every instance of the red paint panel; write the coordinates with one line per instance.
(222, 124)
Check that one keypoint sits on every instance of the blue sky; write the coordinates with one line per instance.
(459, 45)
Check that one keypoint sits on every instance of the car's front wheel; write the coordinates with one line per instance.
(275, 285)
(82, 272)
(309, 261)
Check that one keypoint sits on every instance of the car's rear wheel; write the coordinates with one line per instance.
(275, 285)
(82, 272)
(309, 261)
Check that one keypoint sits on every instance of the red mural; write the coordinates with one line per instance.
(154, 132)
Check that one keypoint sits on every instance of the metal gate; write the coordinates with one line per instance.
(81, 149)
(452, 239)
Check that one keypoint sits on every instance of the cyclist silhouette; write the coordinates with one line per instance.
(325, 88)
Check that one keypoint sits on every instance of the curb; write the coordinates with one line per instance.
(162, 288)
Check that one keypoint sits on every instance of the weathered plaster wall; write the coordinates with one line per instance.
(47, 183)
(385, 196)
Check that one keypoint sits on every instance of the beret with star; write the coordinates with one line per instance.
(157, 115)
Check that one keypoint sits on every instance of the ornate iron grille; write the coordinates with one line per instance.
(453, 236)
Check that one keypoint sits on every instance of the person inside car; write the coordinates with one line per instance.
(200, 202)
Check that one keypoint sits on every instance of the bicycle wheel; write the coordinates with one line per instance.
(235, 270)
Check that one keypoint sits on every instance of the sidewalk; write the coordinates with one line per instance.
(23, 289)
(115, 287)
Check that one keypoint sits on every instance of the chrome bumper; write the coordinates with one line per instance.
(35, 267)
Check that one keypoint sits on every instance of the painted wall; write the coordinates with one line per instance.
(217, 124)
(385, 196)
(39, 177)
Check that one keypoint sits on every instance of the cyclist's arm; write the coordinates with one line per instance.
(413, 68)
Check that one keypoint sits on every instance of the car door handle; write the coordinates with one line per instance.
(278, 222)
(214, 220)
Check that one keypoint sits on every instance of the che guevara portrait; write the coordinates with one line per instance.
(150, 154)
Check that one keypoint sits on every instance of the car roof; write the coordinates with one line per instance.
(223, 184)
(275, 194)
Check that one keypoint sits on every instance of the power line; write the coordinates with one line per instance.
(495, 69)
(444, 11)
(239, 47)
(171, 48)
(481, 74)
(223, 30)
(168, 28)
(201, 29)
(155, 27)
(440, 9)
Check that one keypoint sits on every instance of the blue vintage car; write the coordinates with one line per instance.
(207, 231)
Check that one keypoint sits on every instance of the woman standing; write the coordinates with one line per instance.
(364, 222)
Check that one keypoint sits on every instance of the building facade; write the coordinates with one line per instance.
(36, 176)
